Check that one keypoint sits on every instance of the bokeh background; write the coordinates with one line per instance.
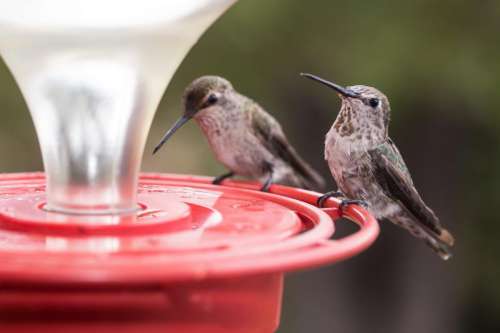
(439, 63)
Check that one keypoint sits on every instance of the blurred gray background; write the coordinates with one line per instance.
(439, 63)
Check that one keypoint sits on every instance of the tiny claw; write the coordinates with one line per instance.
(349, 202)
(219, 179)
(265, 188)
(332, 194)
(268, 183)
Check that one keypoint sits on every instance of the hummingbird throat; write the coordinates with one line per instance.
(360, 126)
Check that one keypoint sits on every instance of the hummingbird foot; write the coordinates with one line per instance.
(331, 194)
(343, 205)
(268, 183)
(219, 179)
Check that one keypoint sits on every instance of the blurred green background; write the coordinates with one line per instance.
(439, 63)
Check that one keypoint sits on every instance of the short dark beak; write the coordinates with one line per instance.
(178, 124)
(341, 90)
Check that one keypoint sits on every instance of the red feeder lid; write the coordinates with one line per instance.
(186, 229)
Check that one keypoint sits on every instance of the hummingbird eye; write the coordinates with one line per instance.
(211, 100)
(373, 102)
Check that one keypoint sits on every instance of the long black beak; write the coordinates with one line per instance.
(178, 124)
(341, 90)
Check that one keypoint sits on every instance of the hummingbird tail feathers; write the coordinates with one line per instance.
(441, 249)
(446, 237)
(438, 242)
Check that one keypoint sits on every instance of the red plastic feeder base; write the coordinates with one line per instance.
(196, 257)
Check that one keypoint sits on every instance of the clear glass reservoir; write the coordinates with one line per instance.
(92, 73)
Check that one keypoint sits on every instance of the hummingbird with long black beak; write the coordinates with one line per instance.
(368, 167)
(244, 138)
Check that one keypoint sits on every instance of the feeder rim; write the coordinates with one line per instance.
(321, 252)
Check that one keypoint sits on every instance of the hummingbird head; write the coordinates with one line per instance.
(203, 95)
(365, 111)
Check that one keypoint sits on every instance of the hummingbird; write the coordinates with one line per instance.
(247, 140)
(368, 167)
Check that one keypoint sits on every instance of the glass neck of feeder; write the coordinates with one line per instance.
(92, 77)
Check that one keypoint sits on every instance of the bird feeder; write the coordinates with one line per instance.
(92, 246)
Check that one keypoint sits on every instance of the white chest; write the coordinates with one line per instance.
(340, 153)
(348, 161)
(226, 139)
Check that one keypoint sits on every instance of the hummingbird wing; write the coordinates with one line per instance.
(394, 177)
(271, 136)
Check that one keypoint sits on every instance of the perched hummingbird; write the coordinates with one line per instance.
(245, 139)
(367, 166)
